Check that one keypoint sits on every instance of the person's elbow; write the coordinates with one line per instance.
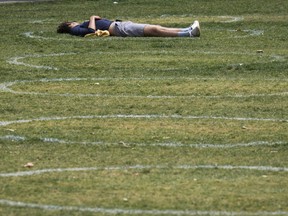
(91, 30)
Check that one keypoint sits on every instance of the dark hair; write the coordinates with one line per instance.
(64, 28)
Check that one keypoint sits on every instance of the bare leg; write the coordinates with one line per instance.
(160, 31)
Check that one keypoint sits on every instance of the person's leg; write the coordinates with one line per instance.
(160, 31)
(130, 29)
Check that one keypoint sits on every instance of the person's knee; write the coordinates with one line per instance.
(151, 30)
(156, 29)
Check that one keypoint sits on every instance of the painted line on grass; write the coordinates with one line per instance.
(241, 33)
(230, 19)
(21, 1)
(131, 116)
(13, 138)
(122, 168)
(223, 19)
(18, 60)
(33, 36)
(151, 212)
(6, 87)
(117, 211)
(249, 32)
(167, 144)
(138, 211)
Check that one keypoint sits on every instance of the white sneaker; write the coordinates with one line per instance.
(195, 29)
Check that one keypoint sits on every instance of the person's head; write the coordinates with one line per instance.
(65, 27)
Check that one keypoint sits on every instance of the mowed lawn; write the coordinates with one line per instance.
(145, 126)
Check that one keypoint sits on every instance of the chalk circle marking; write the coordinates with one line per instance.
(221, 19)
(144, 116)
(6, 87)
(136, 211)
(141, 167)
(18, 60)
(16, 138)
(20, 1)
(123, 211)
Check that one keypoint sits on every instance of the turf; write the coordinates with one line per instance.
(145, 126)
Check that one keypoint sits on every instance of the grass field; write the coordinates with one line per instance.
(145, 126)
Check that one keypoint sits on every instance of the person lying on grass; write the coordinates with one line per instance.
(126, 29)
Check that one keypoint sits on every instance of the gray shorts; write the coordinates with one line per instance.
(129, 29)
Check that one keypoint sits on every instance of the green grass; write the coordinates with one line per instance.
(160, 103)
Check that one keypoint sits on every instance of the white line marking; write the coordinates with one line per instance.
(123, 211)
(117, 211)
(138, 211)
(13, 138)
(16, 60)
(5, 123)
(168, 144)
(185, 167)
(225, 19)
(231, 19)
(5, 87)
(33, 36)
(21, 1)
(250, 32)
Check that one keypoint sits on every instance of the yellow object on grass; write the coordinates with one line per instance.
(99, 33)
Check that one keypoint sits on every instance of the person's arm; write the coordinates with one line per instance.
(92, 22)
(85, 28)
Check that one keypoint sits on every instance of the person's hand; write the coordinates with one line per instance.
(95, 17)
